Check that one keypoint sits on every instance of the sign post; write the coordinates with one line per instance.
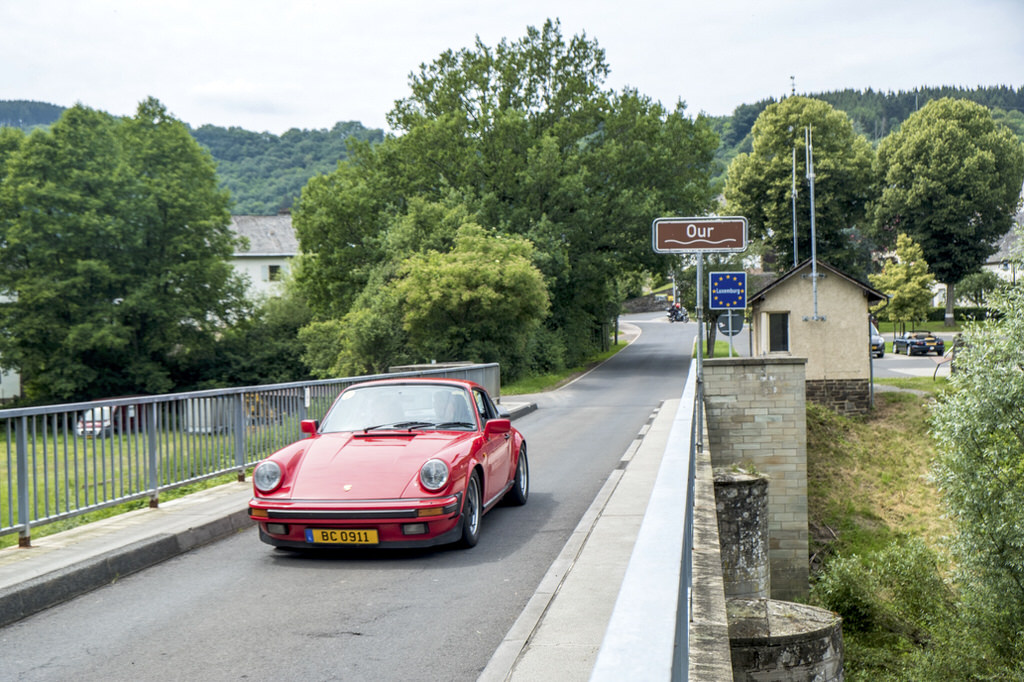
(728, 291)
(698, 236)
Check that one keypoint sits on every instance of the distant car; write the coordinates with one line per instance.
(877, 343)
(394, 463)
(106, 421)
(918, 343)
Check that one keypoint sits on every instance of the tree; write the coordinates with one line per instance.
(481, 301)
(980, 475)
(525, 140)
(976, 287)
(951, 179)
(908, 283)
(760, 184)
(115, 242)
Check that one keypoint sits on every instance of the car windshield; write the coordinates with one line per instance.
(96, 414)
(401, 407)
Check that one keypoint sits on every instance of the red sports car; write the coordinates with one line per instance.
(395, 463)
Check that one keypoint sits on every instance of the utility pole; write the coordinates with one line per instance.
(814, 246)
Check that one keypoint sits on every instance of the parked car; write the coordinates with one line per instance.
(105, 421)
(918, 343)
(877, 343)
(394, 463)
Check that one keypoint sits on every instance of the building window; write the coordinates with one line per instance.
(272, 273)
(778, 332)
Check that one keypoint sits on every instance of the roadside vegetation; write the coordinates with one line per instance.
(916, 513)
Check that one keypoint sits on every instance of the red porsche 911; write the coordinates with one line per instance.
(394, 463)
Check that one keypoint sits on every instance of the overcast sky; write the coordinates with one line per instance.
(271, 65)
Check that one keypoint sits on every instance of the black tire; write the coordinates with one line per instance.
(472, 512)
(520, 490)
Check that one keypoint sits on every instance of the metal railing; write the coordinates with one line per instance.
(648, 635)
(60, 461)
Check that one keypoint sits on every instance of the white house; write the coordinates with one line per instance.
(265, 260)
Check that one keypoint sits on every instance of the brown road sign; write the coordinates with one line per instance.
(684, 235)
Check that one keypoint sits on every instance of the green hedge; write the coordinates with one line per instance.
(960, 313)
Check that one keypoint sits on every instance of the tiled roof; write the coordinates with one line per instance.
(268, 235)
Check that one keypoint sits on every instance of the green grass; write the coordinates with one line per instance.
(166, 495)
(868, 477)
(70, 472)
(926, 384)
(547, 382)
(888, 328)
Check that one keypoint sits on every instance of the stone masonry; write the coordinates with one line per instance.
(756, 419)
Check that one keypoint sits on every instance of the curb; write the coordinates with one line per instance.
(53, 588)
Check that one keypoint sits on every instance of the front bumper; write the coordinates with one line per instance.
(398, 523)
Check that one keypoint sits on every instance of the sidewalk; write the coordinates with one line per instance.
(560, 631)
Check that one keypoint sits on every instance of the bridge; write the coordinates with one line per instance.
(667, 617)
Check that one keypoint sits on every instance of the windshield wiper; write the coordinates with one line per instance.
(410, 425)
(448, 425)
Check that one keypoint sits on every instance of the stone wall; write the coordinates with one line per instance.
(756, 419)
(842, 396)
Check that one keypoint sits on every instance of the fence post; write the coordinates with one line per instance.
(240, 436)
(154, 466)
(25, 534)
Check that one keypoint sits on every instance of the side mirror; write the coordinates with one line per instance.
(497, 426)
(309, 426)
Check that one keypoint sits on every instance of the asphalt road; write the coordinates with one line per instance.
(238, 609)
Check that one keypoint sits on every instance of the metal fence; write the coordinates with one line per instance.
(60, 461)
(648, 634)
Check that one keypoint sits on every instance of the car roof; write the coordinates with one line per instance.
(421, 381)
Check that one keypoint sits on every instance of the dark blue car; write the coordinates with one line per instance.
(918, 343)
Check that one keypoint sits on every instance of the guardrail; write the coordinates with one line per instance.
(648, 635)
(60, 461)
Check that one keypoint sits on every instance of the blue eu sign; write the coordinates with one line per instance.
(727, 290)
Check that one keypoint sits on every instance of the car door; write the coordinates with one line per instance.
(496, 451)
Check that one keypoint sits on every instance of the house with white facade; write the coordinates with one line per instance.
(265, 258)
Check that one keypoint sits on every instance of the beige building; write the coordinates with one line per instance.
(829, 327)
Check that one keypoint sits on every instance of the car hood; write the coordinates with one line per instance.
(350, 466)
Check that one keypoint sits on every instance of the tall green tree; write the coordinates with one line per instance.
(951, 179)
(760, 185)
(114, 242)
(908, 283)
(523, 136)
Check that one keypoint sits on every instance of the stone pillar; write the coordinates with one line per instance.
(757, 418)
(741, 500)
(776, 641)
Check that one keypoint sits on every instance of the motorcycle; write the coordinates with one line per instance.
(678, 315)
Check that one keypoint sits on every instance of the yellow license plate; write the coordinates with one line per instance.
(339, 536)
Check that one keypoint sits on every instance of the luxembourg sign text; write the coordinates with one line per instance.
(685, 235)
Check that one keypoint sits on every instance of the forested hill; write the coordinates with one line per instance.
(27, 115)
(265, 173)
(875, 114)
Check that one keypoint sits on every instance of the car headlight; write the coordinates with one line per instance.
(266, 477)
(434, 474)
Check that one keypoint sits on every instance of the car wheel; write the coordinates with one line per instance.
(472, 510)
(909, 351)
(521, 484)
